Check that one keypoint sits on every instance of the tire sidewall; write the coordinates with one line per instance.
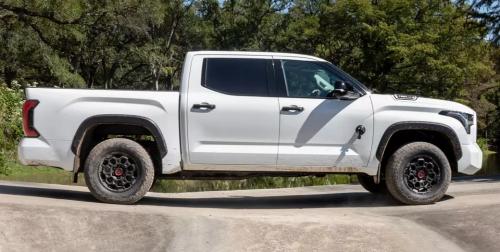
(128, 147)
(368, 183)
(395, 178)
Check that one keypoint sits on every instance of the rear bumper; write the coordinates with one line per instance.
(35, 151)
(472, 159)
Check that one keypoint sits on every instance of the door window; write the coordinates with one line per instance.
(232, 76)
(308, 79)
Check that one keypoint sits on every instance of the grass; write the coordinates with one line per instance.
(488, 152)
(40, 174)
(251, 183)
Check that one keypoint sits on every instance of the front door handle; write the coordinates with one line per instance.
(204, 105)
(292, 108)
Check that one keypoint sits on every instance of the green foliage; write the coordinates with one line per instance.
(60, 69)
(10, 124)
(405, 46)
(483, 143)
(487, 12)
(39, 174)
(251, 183)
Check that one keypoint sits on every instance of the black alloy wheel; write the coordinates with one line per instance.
(421, 174)
(119, 171)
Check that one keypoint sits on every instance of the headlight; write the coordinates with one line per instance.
(467, 120)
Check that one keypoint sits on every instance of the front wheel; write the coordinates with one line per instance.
(418, 173)
(369, 184)
(119, 171)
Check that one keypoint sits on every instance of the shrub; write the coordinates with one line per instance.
(483, 144)
(10, 124)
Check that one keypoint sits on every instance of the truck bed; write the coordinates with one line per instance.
(60, 112)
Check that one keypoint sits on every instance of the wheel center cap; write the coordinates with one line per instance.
(118, 171)
(421, 174)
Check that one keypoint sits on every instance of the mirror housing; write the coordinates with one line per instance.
(343, 91)
(340, 88)
(341, 85)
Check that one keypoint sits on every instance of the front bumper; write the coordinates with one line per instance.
(472, 159)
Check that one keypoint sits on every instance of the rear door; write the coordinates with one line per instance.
(231, 117)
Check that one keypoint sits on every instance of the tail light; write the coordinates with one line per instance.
(28, 118)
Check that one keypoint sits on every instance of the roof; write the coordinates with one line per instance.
(247, 53)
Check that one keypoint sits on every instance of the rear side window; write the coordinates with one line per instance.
(247, 77)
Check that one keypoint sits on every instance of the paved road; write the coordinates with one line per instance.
(40, 217)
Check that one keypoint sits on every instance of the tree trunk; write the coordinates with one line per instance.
(90, 79)
(9, 76)
(156, 76)
(168, 82)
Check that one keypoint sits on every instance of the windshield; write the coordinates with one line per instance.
(351, 79)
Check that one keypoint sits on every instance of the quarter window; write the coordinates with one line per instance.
(232, 76)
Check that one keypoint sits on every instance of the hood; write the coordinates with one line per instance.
(410, 102)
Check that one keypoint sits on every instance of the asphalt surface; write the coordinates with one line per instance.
(41, 217)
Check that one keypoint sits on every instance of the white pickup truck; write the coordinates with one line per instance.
(242, 114)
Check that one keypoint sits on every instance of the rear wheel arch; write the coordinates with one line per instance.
(403, 133)
(96, 129)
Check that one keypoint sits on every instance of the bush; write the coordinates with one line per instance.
(483, 144)
(10, 124)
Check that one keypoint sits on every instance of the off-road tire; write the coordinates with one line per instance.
(369, 184)
(142, 161)
(398, 163)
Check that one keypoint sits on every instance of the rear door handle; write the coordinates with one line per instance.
(204, 105)
(292, 108)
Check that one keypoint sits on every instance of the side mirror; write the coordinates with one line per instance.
(340, 87)
(343, 91)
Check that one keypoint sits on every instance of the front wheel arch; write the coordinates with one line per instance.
(403, 133)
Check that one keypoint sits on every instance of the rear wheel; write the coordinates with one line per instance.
(119, 171)
(368, 182)
(418, 173)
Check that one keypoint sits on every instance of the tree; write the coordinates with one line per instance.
(97, 43)
(487, 12)
(442, 49)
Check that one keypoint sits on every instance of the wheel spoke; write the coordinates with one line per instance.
(118, 172)
(421, 173)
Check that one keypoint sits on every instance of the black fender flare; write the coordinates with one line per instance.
(97, 120)
(429, 126)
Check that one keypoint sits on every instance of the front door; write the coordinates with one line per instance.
(317, 129)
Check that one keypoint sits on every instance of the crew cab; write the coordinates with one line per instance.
(242, 114)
